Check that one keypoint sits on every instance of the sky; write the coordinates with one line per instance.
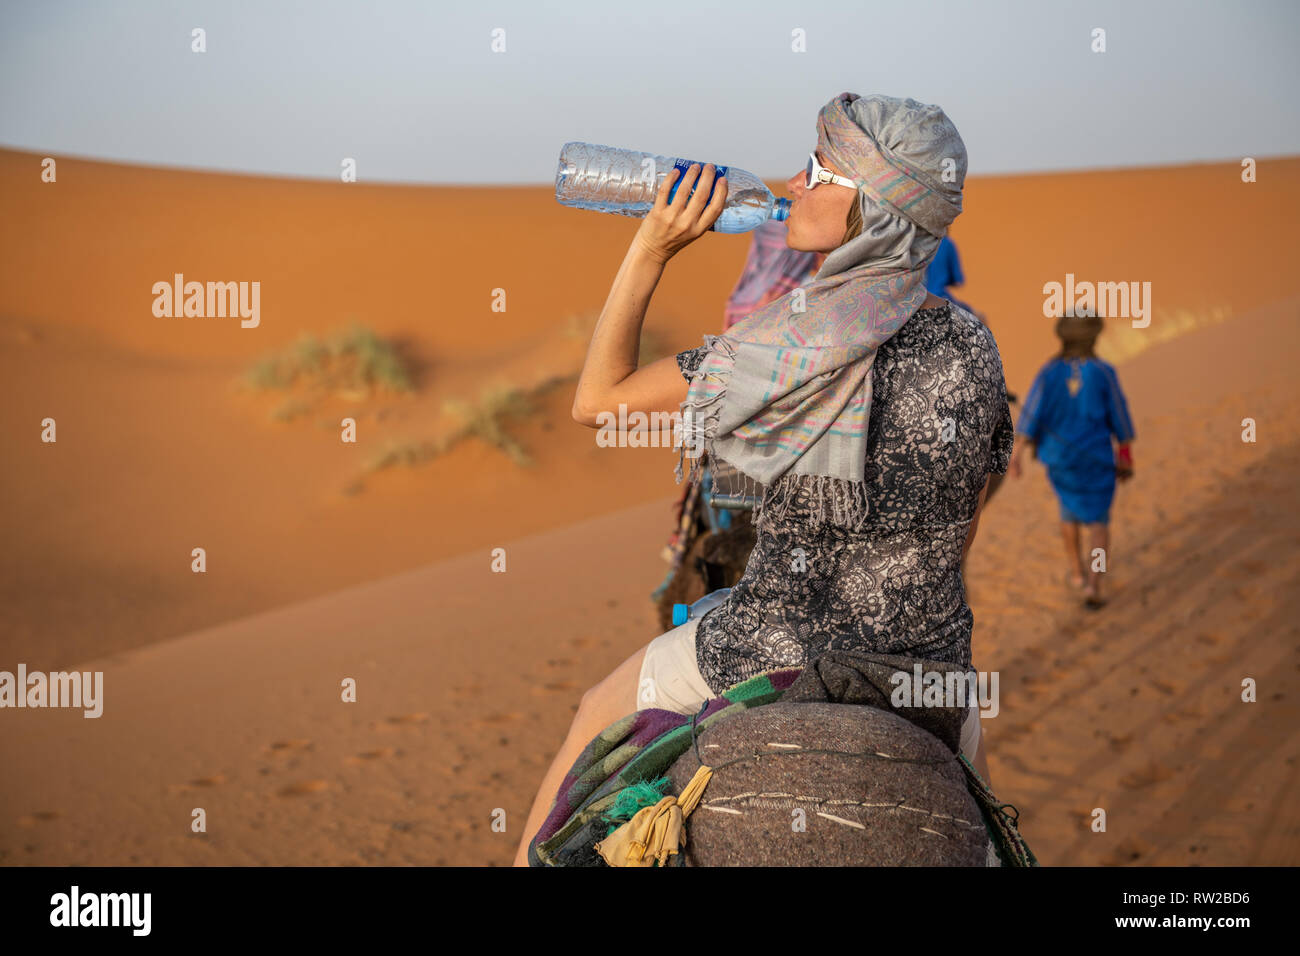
(414, 93)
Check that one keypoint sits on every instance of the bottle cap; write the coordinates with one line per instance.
(681, 614)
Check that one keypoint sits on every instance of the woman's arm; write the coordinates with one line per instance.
(610, 376)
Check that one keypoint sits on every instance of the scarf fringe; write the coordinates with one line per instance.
(840, 501)
(824, 499)
(699, 419)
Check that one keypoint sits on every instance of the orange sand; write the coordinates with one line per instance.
(1135, 709)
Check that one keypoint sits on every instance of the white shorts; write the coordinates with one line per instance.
(670, 680)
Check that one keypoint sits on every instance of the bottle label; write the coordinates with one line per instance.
(685, 164)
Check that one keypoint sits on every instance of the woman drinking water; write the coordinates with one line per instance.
(867, 412)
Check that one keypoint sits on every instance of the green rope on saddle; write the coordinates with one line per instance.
(632, 799)
(1002, 826)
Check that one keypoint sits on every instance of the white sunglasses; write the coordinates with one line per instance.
(817, 173)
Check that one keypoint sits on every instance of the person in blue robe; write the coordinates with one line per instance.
(1076, 420)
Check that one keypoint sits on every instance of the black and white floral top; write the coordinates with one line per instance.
(939, 424)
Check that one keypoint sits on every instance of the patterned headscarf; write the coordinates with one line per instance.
(771, 270)
(787, 393)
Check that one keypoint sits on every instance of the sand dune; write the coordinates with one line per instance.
(160, 452)
(467, 679)
(464, 678)
(1137, 709)
(319, 570)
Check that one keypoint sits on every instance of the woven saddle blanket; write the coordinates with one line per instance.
(644, 746)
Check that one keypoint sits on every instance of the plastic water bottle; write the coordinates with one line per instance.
(689, 612)
(625, 182)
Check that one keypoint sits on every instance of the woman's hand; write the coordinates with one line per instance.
(671, 227)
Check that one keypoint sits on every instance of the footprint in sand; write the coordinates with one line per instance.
(467, 690)
(1152, 773)
(403, 720)
(1166, 687)
(1249, 568)
(199, 783)
(1083, 815)
(560, 662)
(302, 788)
(1182, 716)
(1129, 850)
(1012, 733)
(288, 746)
(492, 720)
(1252, 612)
(555, 687)
(39, 816)
(285, 754)
(1120, 741)
(370, 756)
